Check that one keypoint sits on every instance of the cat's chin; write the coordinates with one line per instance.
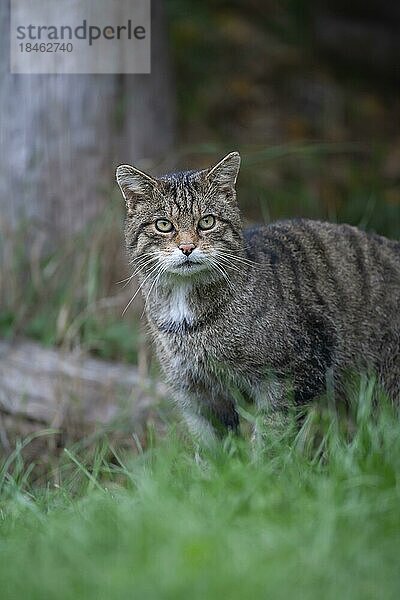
(188, 269)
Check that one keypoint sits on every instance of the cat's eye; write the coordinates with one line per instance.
(164, 225)
(207, 222)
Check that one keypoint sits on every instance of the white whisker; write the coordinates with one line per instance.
(140, 257)
(162, 270)
(138, 269)
(139, 288)
(227, 263)
(222, 271)
(238, 259)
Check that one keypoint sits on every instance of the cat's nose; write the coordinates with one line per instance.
(187, 248)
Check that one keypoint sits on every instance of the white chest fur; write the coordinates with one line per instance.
(176, 309)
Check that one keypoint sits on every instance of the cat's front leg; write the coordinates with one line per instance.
(270, 397)
(208, 411)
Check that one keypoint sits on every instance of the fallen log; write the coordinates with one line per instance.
(71, 392)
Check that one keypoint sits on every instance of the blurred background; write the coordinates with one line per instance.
(307, 91)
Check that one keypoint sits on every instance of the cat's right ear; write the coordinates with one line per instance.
(134, 185)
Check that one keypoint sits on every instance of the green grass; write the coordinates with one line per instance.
(302, 513)
(70, 295)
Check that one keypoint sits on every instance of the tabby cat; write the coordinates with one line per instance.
(273, 312)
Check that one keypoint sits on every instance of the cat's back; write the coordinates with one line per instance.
(316, 244)
(338, 267)
(309, 236)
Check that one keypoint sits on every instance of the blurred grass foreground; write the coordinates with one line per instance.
(306, 513)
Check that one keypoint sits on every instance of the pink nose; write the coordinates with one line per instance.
(187, 248)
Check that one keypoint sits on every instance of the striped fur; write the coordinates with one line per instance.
(279, 310)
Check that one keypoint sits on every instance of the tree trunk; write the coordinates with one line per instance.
(59, 136)
(150, 114)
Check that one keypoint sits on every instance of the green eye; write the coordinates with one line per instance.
(164, 226)
(207, 222)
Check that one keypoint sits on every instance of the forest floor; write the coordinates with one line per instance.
(301, 513)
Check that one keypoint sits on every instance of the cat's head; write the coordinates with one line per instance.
(184, 224)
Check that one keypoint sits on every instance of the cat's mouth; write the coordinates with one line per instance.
(188, 267)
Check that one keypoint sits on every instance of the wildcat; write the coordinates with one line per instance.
(272, 311)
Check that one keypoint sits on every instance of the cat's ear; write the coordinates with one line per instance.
(226, 171)
(134, 184)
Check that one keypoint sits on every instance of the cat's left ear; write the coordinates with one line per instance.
(226, 171)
